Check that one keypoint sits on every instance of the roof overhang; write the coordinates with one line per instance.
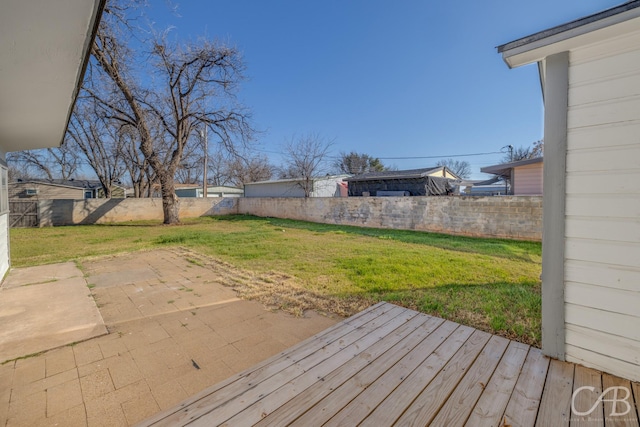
(505, 169)
(44, 49)
(609, 23)
(296, 180)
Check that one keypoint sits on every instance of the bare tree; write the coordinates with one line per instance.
(50, 163)
(523, 153)
(462, 168)
(194, 86)
(200, 84)
(191, 168)
(101, 142)
(306, 158)
(241, 170)
(357, 163)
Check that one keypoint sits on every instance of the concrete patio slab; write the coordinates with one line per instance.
(176, 327)
(57, 292)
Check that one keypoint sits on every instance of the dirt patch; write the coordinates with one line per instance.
(277, 291)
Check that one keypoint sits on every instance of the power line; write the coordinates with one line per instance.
(403, 158)
(439, 157)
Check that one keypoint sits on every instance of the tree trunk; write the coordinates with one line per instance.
(170, 202)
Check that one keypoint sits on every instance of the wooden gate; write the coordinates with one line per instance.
(23, 213)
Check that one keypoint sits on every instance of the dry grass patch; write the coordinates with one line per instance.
(275, 290)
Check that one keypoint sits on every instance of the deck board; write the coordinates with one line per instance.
(522, 409)
(584, 400)
(390, 365)
(629, 419)
(555, 405)
(491, 406)
(403, 338)
(369, 396)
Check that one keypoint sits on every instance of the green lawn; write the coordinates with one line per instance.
(490, 284)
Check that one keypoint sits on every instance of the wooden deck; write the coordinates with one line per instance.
(389, 365)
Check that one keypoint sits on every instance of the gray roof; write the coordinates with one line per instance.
(284, 180)
(86, 184)
(403, 174)
(505, 168)
(572, 28)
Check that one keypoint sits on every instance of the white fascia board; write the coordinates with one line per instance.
(594, 32)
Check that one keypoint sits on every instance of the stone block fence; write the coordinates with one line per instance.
(511, 217)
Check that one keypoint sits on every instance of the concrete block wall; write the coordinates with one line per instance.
(104, 211)
(512, 217)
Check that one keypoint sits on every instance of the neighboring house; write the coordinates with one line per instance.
(488, 187)
(325, 186)
(590, 77)
(44, 189)
(433, 181)
(44, 49)
(524, 176)
(195, 190)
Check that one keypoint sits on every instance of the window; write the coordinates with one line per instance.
(88, 194)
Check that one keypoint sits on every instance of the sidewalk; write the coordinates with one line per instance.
(175, 329)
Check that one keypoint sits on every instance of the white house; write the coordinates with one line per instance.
(44, 49)
(590, 75)
(195, 190)
(325, 186)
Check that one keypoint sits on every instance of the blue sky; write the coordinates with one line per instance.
(404, 78)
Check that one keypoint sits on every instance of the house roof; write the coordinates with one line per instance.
(402, 174)
(504, 169)
(317, 178)
(563, 37)
(224, 189)
(86, 184)
(481, 182)
(210, 188)
(44, 50)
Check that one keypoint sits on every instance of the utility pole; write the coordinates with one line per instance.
(506, 180)
(206, 157)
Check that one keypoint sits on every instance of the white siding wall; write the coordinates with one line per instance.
(274, 189)
(4, 244)
(4, 220)
(326, 188)
(528, 180)
(602, 252)
(321, 188)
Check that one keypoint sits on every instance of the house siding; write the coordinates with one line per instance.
(602, 216)
(527, 180)
(18, 190)
(275, 189)
(324, 187)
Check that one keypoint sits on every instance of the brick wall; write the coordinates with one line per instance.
(514, 217)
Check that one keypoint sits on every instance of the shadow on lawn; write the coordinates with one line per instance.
(512, 310)
(512, 249)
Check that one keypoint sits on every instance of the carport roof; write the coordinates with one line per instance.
(504, 169)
